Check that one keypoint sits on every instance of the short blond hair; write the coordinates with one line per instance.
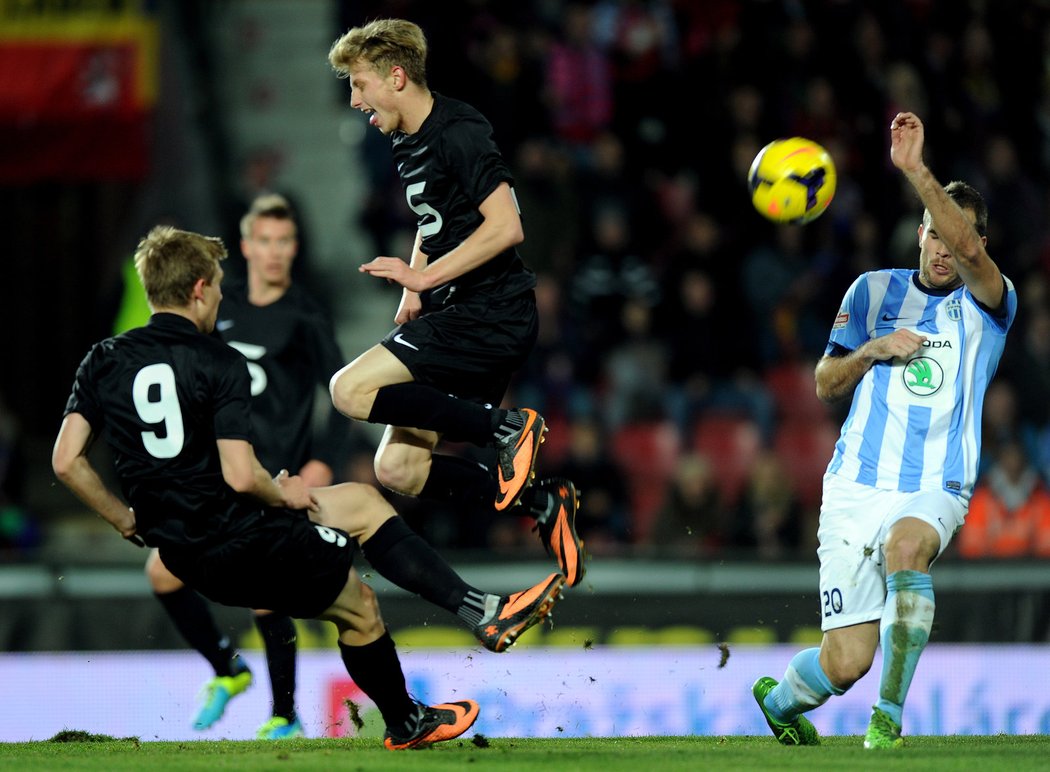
(383, 43)
(272, 205)
(169, 262)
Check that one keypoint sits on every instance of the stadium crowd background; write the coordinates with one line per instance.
(679, 329)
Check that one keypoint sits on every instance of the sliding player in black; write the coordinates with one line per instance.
(174, 403)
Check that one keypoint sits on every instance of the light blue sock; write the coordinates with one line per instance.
(804, 686)
(905, 628)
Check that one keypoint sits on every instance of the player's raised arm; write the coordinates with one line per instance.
(960, 236)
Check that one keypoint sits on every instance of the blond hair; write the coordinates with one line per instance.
(383, 43)
(169, 262)
(271, 205)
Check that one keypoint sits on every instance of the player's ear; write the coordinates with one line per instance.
(400, 79)
(198, 289)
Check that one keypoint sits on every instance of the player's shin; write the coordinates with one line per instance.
(904, 631)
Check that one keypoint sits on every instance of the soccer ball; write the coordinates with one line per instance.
(792, 180)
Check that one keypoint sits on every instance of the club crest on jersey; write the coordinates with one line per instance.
(953, 309)
(841, 320)
(923, 376)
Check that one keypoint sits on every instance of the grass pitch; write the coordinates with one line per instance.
(930, 754)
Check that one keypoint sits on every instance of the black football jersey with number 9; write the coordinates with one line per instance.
(160, 396)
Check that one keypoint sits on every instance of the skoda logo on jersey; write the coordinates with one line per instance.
(953, 309)
(923, 376)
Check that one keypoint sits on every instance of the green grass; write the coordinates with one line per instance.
(638, 754)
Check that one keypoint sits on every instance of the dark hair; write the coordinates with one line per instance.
(968, 197)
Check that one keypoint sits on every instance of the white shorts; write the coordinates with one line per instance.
(854, 522)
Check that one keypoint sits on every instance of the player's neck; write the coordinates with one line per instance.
(184, 312)
(417, 110)
(262, 292)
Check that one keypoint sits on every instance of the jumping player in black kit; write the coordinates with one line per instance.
(467, 318)
(292, 352)
(174, 405)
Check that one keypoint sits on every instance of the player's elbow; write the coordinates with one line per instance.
(62, 468)
(239, 474)
(822, 383)
(508, 231)
(829, 380)
(826, 395)
(241, 480)
(515, 233)
(63, 464)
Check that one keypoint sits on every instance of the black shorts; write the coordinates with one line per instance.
(275, 559)
(470, 349)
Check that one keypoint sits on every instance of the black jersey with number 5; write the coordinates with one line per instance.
(292, 353)
(448, 168)
(161, 395)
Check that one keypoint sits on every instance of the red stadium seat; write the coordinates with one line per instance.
(805, 448)
(648, 453)
(556, 443)
(731, 443)
(794, 391)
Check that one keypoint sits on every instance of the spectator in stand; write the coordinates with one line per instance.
(769, 517)
(692, 517)
(612, 274)
(579, 83)
(605, 519)
(1010, 510)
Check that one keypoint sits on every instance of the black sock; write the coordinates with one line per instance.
(401, 555)
(278, 634)
(376, 670)
(424, 407)
(461, 482)
(536, 502)
(192, 618)
(471, 485)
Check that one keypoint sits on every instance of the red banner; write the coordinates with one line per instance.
(77, 88)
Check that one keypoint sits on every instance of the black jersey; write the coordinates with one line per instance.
(448, 168)
(291, 351)
(161, 395)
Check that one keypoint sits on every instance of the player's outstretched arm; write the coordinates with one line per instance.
(242, 471)
(978, 271)
(71, 465)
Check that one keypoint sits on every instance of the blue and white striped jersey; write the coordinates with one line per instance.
(915, 424)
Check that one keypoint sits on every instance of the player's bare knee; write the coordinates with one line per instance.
(844, 672)
(349, 397)
(160, 578)
(906, 551)
(396, 473)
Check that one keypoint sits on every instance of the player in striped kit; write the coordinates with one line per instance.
(916, 349)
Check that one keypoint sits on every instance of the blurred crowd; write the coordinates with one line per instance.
(679, 329)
